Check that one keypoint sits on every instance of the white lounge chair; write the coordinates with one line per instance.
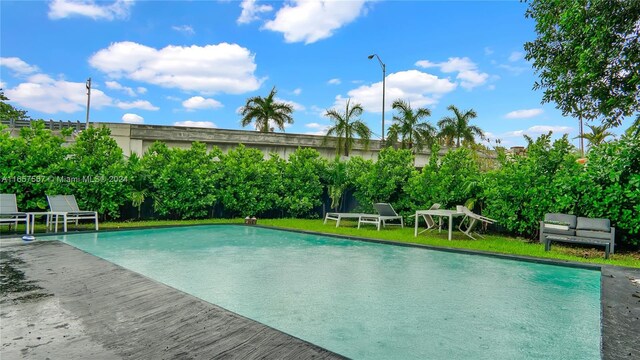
(9, 213)
(385, 213)
(470, 221)
(68, 207)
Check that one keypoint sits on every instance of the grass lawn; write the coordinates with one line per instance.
(491, 243)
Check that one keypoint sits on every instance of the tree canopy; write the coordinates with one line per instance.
(587, 56)
(262, 111)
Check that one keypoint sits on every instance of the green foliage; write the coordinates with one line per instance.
(183, 182)
(451, 181)
(336, 179)
(385, 179)
(528, 186)
(346, 126)
(408, 129)
(249, 185)
(609, 187)
(457, 127)
(587, 56)
(266, 112)
(33, 165)
(98, 171)
(302, 182)
(9, 112)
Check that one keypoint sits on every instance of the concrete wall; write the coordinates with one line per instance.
(133, 138)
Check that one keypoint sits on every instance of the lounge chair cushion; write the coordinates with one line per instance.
(561, 219)
(593, 224)
(604, 235)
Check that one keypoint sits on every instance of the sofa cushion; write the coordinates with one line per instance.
(551, 231)
(593, 224)
(594, 234)
(561, 219)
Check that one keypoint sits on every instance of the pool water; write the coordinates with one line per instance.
(367, 300)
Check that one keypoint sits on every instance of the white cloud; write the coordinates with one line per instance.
(18, 66)
(523, 114)
(224, 67)
(421, 89)
(310, 21)
(515, 70)
(491, 87)
(297, 91)
(44, 94)
(185, 29)
(141, 90)
(251, 11)
(198, 102)
(189, 123)
(60, 9)
(334, 82)
(319, 129)
(172, 98)
(467, 70)
(132, 119)
(515, 56)
(117, 86)
(488, 51)
(296, 106)
(536, 130)
(138, 104)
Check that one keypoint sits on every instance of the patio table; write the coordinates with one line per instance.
(440, 213)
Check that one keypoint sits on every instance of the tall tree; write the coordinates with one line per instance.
(408, 129)
(263, 110)
(457, 127)
(346, 126)
(8, 112)
(598, 134)
(587, 55)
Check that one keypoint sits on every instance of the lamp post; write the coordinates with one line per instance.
(384, 75)
(88, 99)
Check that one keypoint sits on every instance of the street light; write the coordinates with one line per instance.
(88, 85)
(384, 75)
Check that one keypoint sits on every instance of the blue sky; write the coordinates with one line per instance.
(195, 63)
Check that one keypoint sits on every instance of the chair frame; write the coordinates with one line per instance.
(473, 220)
(12, 216)
(68, 207)
(381, 220)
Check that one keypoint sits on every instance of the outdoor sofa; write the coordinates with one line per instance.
(581, 230)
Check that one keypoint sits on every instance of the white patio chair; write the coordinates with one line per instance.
(470, 221)
(9, 213)
(67, 204)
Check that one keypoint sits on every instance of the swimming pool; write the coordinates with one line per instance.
(367, 300)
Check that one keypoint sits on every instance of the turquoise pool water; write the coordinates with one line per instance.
(371, 301)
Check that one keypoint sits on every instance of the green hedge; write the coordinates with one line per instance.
(197, 182)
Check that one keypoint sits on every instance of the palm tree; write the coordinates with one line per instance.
(263, 110)
(597, 136)
(345, 126)
(413, 134)
(457, 127)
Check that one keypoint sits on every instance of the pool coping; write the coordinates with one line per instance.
(620, 312)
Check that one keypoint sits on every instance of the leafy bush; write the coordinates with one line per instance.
(385, 179)
(32, 165)
(527, 186)
(609, 187)
(183, 182)
(99, 178)
(250, 185)
(451, 181)
(301, 181)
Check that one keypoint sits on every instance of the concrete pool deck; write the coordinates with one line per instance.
(99, 310)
